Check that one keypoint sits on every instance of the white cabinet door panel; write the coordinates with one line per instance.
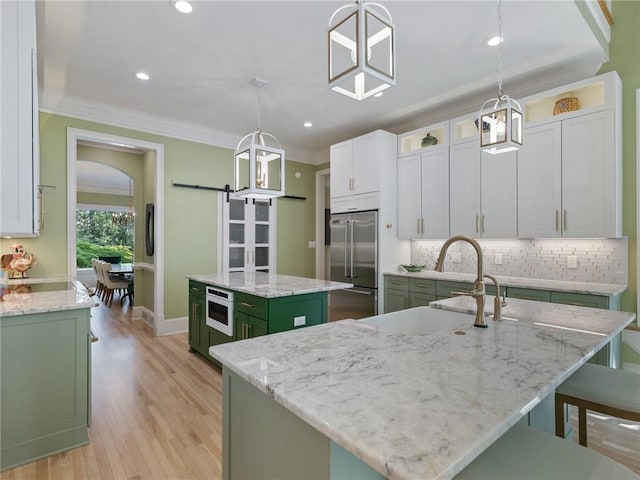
(341, 169)
(589, 176)
(540, 182)
(19, 170)
(409, 197)
(499, 195)
(435, 193)
(366, 163)
(464, 193)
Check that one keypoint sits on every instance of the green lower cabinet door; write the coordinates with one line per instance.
(593, 301)
(446, 289)
(395, 300)
(257, 327)
(529, 294)
(420, 299)
(246, 326)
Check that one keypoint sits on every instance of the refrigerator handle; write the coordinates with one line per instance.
(351, 248)
(346, 243)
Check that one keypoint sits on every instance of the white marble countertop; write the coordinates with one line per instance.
(268, 285)
(608, 290)
(73, 297)
(422, 406)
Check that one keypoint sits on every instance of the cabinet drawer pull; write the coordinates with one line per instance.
(477, 218)
(244, 304)
(422, 226)
(565, 220)
(557, 219)
(482, 224)
(417, 225)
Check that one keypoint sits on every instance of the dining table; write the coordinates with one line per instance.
(122, 269)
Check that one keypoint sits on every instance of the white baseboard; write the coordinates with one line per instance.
(161, 327)
(172, 326)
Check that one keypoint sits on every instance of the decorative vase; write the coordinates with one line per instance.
(429, 140)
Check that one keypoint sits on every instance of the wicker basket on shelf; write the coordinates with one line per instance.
(564, 105)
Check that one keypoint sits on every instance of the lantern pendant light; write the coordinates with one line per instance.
(362, 60)
(501, 127)
(258, 162)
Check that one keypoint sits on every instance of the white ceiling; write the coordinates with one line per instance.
(202, 64)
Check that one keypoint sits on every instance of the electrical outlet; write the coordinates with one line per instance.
(312, 244)
(572, 261)
(299, 321)
(456, 257)
(498, 259)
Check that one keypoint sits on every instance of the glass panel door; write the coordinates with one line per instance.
(249, 235)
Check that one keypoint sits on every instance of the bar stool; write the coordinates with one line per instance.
(527, 453)
(600, 389)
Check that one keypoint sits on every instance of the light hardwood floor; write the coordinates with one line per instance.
(157, 412)
(156, 409)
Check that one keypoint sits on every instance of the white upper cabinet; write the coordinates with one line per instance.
(464, 189)
(423, 194)
(570, 166)
(498, 193)
(591, 202)
(483, 195)
(565, 181)
(19, 166)
(359, 168)
(540, 182)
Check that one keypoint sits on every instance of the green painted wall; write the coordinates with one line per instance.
(106, 199)
(624, 58)
(190, 216)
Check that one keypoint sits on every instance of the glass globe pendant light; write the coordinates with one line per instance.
(259, 162)
(362, 60)
(501, 127)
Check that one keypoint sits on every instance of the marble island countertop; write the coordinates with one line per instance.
(53, 297)
(604, 289)
(422, 405)
(268, 285)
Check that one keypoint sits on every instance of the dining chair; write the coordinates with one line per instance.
(99, 286)
(111, 284)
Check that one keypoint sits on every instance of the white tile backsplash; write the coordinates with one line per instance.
(599, 260)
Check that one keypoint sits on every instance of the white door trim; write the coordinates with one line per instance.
(320, 207)
(73, 136)
(637, 201)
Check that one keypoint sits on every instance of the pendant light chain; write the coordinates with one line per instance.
(259, 107)
(499, 49)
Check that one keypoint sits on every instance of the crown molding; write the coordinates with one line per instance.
(93, 111)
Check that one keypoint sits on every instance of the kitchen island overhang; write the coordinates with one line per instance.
(420, 406)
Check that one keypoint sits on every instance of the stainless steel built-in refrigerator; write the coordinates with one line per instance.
(354, 259)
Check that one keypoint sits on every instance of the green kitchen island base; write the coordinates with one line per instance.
(262, 439)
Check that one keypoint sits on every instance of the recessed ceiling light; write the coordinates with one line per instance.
(183, 6)
(495, 41)
(142, 76)
(379, 94)
(308, 124)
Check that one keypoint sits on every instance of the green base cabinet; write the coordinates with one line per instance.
(254, 316)
(45, 384)
(251, 422)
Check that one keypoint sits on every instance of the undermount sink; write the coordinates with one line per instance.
(420, 320)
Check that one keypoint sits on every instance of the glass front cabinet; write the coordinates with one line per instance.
(248, 228)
